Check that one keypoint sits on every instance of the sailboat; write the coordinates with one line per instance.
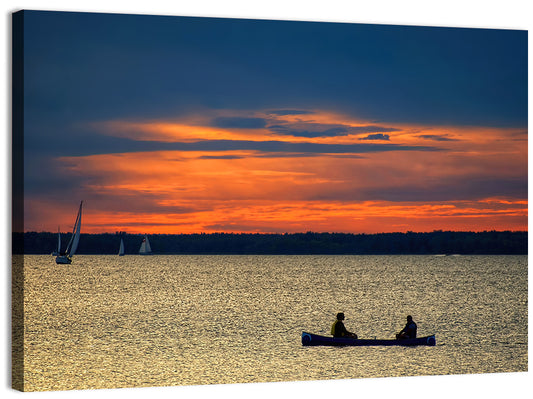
(72, 245)
(145, 247)
(58, 251)
(121, 248)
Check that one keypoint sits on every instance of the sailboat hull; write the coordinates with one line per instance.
(63, 260)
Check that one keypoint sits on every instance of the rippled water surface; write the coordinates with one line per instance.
(110, 322)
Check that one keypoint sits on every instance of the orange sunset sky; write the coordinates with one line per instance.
(195, 132)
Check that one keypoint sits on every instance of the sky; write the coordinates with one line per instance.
(197, 125)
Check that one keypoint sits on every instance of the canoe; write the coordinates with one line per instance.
(309, 339)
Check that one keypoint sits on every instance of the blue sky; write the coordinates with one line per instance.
(120, 65)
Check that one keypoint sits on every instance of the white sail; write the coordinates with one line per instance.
(76, 233)
(145, 247)
(121, 248)
(74, 240)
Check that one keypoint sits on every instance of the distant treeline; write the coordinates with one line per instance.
(437, 242)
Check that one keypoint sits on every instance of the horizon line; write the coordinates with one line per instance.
(285, 233)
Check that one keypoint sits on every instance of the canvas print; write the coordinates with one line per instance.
(214, 201)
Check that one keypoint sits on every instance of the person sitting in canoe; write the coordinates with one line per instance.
(338, 330)
(409, 331)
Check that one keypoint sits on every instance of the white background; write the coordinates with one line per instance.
(508, 14)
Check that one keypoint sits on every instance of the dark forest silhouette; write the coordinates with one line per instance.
(437, 242)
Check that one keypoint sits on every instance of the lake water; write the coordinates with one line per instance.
(136, 321)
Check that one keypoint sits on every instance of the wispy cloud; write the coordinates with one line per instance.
(437, 137)
(378, 136)
(239, 122)
(312, 130)
(284, 146)
(284, 112)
